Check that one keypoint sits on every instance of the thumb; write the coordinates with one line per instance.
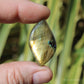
(24, 73)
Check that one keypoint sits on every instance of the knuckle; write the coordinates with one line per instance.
(14, 76)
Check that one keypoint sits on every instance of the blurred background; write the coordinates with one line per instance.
(67, 24)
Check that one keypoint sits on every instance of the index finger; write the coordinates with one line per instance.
(23, 11)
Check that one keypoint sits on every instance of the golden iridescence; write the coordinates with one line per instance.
(42, 42)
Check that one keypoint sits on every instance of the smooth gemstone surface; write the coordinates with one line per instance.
(42, 42)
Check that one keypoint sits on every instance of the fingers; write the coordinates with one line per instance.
(23, 11)
(24, 73)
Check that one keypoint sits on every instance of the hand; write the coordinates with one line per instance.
(23, 72)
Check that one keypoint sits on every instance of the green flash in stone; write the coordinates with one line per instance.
(42, 42)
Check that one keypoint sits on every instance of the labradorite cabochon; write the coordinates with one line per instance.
(42, 42)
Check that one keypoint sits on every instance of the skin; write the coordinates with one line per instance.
(23, 11)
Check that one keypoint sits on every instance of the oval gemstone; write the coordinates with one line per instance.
(42, 42)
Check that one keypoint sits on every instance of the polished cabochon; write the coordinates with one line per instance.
(42, 42)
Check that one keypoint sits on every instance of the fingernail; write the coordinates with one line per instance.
(42, 77)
